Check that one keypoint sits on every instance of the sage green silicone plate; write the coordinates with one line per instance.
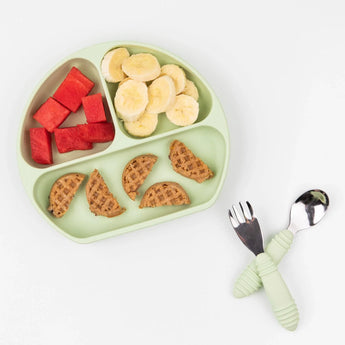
(208, 138)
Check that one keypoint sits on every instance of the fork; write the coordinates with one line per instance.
(248, 230)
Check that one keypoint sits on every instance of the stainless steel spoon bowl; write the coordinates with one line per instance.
(308, 210)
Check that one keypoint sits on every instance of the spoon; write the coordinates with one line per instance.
(306, 211)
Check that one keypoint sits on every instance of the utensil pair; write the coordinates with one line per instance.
(307, 210)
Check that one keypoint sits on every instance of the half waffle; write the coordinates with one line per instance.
(101, 201)
(164, 193)
(187, 164)
(135, 173)
(62, 193)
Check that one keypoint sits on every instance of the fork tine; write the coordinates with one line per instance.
(243, 212)
(250, 209)
(238, 215)
(233, 221)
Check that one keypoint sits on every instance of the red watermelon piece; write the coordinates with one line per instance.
(74, 87)
(51, 114)
(68, 139)
(74, 72)
(97, 132)
(41, 149)
(93, 108)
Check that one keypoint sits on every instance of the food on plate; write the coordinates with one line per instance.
(68, 139)
(187, 164)
(77, 74)
(191, 90)
(141, 67)
(112, 65)
(51, 114)
(144, 126)
(176, 73)
(94, 108)
(184, 112)
(148, 89)
(124, 80)
(161, 95)
(73, 88)
(62, 193)
(71, 93)
(164, 194)
(68, 97)
(40, 142)
(101, 200)
(97, 132)
(135, 173)
(131, 100)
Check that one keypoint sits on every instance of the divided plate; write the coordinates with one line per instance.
(208, 138)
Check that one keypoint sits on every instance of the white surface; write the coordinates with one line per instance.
(278, 68)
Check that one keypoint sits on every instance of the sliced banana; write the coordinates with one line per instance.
(191, 90)
(124, 80)
(111, 65)
(184, 112)
(144, 126)
(177, 74)
(131, 99)
(141, 67)
(162, 95)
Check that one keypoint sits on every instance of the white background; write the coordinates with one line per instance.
(278, 68)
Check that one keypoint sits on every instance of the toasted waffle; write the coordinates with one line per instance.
(164, 193)
(62, 193)
(135, 173)
(187, 164)
(101, 201)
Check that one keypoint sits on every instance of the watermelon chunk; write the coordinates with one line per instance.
(97, 132)
(74, 72)
(74, 87)
(68, 139)
(93, 108)
(41, 149)
(51, 114)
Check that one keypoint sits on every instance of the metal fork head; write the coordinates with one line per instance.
(247, 227)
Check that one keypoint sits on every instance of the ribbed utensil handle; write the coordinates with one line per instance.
(279, 245)
(283, 305)
(249, 281)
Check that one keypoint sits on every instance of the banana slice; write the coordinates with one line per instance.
(177, 74)
(144, 126)
(184, 112)
(111, 65)
(191, 90)
(141, 67)
(162, 95)
(131, 99)
(124, 80)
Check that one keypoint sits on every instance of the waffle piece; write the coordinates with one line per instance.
(101, 201)
(62, 193)
(135, 173)
(187, 164)
(163, 194)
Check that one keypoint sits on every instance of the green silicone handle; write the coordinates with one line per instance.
(249, 281)
(283, 305)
